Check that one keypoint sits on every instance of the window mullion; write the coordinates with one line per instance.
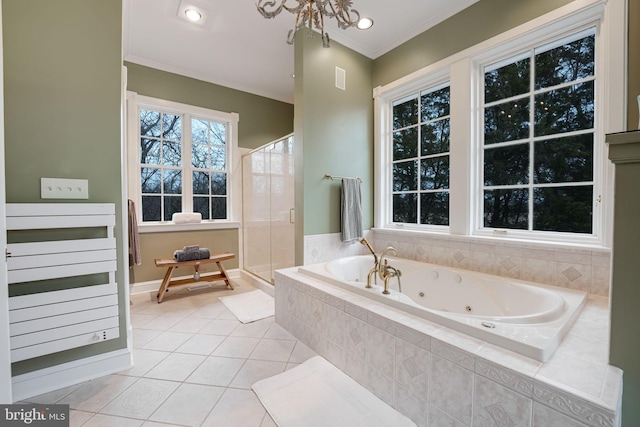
(532, 118)
(187, 172)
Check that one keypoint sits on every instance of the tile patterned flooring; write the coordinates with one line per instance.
(194, 366)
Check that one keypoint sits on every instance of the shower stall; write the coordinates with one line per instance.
(268, 208)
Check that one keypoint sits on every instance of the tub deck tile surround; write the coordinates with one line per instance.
(466, 381)
(586, 269)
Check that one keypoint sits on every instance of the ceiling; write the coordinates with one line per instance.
(238, 48)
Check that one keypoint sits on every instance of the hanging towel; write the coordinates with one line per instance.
(134, 238)
(351, 210)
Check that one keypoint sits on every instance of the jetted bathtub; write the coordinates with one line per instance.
(524, 317)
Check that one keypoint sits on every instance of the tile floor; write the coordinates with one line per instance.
(194, 366)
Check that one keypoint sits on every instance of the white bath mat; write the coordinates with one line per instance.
(317, 394)
(250, 306)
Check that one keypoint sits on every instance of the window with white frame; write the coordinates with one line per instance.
(420, 157)
(180, 161)
(524, 156)
(538, 138)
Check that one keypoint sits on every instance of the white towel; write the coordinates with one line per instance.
(351, 210)
(186, 217)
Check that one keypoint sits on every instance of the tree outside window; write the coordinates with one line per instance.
(420, 153)
(539, 136)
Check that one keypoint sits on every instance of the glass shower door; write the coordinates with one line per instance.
(268, 201)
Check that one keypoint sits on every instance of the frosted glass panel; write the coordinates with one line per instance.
(268, 200)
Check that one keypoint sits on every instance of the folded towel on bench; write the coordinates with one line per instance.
(191, 253)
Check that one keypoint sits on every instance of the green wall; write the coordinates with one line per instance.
(334, 128)
(625, 345)
(62, 74)
(334, 131)
(479, 22)
(625, 292)
(262, 120)
(633, 60)
(162, 245)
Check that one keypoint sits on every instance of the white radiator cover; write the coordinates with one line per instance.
(53, 321)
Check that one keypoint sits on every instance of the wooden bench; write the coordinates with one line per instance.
(172, 264)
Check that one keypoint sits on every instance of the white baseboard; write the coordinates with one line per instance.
(70, 373)
(154, 285)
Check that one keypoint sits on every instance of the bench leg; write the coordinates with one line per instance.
(165, 284)
(224, 275)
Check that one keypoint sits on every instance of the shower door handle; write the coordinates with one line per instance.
(292, 216)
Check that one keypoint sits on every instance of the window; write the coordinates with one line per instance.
(182, 160)
(505, 139)
(538, 139)
(420, 158)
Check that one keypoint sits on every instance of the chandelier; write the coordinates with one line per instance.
(311, 14)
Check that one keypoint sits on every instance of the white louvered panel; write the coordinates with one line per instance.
(63, 344)
(57, 320)
(57, 259)
(71, 221)
(20, 276)
(39, 248)
(53, 209)
(46, 298)
(57, 309)
(29, 326)
(40, 337)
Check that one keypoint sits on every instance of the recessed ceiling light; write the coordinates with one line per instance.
(365, 23)
(193, 15)
(191, 11)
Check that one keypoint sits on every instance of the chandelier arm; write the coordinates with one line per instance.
(341, 11)
(269, 10)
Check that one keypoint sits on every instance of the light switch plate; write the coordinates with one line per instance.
(62, 188)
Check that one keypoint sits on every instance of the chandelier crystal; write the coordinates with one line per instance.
(311, 14)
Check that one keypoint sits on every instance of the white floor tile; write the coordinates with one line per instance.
(53, 396)
(237, 408)
(190, 324)
(101, 420)
(228, 315)
(267, 421)
(144, 361)
(240, 347)
(161, 323)
(256, 370)
(143, 336)
(77, 418)
(273, 350)
(255, 329)
(92, 396)
(218, 371)
(167, 341)
(138, 320)
(219, 327)
(188, 405)
(301, 353)
(141, 399)
(210, 311)
(279, 333)
(201, 344)
(176, 367)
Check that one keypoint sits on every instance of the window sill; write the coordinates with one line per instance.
(170, 227)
